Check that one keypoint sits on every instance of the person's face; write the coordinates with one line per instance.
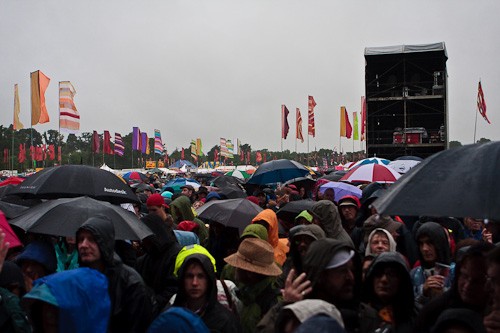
(88, 250)
(187, 192)
(379, 243)
(158, 211)
(302, 243)
(329, 195)
(386, 281)
(302, 192)
(348, 212)
(473, 224)
(202, 195)
(32, 269)
(339, 282)
(262, 199)
(195, 281)
(494, 282)
(472, 281)
(427, 249)
(246, 277)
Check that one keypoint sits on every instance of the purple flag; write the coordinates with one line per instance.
(144, 143)
(136, 139)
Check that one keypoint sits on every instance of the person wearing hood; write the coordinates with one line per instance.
(73, 301)
(388, 301)
(131, 307)
(178, 320)
(269, 220)
(197, 289)
(181, 210)
(380, 240)
(328, 218)
(349, 206)
(37, 260)
(469, 289)
(459, 320)
(434, 275)
(157, 266)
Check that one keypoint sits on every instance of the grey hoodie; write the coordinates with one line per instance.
(331, 223)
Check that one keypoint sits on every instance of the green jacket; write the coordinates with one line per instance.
(181, 211)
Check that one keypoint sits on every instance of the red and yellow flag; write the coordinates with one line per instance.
(299, 125)
(311, 130)
(39, 83)
(345, 124)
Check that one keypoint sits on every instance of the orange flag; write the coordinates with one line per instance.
(39, 83)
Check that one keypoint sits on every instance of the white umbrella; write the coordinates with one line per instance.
(370, 173)
(371, 160)
(403, 166)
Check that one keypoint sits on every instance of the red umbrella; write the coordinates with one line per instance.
(12, 181)
(10, 236)
(369, 173)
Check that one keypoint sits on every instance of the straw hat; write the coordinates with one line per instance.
(255, 255)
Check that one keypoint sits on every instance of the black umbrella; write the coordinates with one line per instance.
(293, 208)
(12, 210)
(236, 213)
(63, 217)
(69, 181)
(334, 176)
(306, 182)
(230, 187)
(232, 192)
(458, 182)
(277, 171)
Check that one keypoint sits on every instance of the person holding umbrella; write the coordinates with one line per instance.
(131, 307)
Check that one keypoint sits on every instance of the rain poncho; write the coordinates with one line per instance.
(331, 223)
(280, 249)
(181, 211)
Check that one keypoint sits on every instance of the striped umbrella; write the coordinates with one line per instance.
(370, 173)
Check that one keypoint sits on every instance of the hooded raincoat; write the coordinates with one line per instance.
(330, 221)
(181, 211)
(280, 249)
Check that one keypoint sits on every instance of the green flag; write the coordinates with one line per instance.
(356, 134)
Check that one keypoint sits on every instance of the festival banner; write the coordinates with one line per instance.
(17, 125)
(144, 143)
(355, 122)
(69, 118)
(284, 121)
(21, 157)
(345, 125)
(119, 146)
(311, 130)
(106, 143)
(39, 84)
(96, 142)
(481, 103)
(363, 118)
(158, 143)
(136, 139)
(298, 119)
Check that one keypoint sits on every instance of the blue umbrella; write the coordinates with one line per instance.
(177, 183)
(277, 171)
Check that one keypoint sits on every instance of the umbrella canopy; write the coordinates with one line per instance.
(403, 166)
(236, 213)
(134, 175)
(293, 208)
(277, 171)
(141, 187)
(177, 183)
(458, 182)
(413, 158)
(370, 173)
(238, 174)
(371, 160)
(335, 176)
(12, 210)
(341, 189)
(63, 217)
(306, 182)
(69, 181)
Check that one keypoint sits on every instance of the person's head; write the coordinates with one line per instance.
(329, 194)
(156, 206)
(11, 278)
(187, 190)
(254, 230)
(304, 217)
(459, 320)
(262, 197)
(95, 241)
(202, 192)
(433, 245)
(304, 235)
(254, 261)
(470, 275)
(380, 240)
(269, 220)
(349, 206)
(493, 275)
(338, 277)
(38, 259)
(178, 320)
(473, 224)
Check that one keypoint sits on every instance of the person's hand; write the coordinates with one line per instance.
(4, 247)
(492, 322)
(433, 285)
(487, 236)
(296, 288)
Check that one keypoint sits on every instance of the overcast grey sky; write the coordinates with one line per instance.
(213, 68)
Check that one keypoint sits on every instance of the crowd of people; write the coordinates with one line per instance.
(339, 266)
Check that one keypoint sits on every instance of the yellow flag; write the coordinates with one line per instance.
(17, 109)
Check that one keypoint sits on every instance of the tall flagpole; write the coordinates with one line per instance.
(13, 130)
(475, 122)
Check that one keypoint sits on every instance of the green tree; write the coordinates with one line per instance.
(455, 144)
(483, 140)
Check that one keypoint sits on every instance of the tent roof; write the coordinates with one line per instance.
(398, 49)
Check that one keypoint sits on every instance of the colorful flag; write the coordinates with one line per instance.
(299, 125)
(258, 157)
(230, 149)
(192, 148)
(39, 83)
(39, 154)
(17, 109)
(52, 152)
(119, 146)
(199, 147)
(144, 143)
(311, 130)
(345, 124)
(22, 153)
(182, 154)
(158, 143)
(481, 103)
(224, 152)
(363, 118)
(136, 138)
(106, 143)
(216, 155)
(284, 121)
(355, 121)
(96, 142)
(69, 118)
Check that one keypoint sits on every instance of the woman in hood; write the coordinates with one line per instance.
(380, 240)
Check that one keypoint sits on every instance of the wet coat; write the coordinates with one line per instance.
(330, 221)
(280, 249)
(181, 211)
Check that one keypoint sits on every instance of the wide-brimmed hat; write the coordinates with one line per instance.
(255, 255)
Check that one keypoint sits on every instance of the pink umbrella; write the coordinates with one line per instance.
(370, 173)
(10, 236)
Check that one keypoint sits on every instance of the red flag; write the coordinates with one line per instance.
(52, 152)
(481, 103)
(216, 155)
(106, 144)
(182, 154)
(258, 157)
(32, 153)
(39, 154)
(311, 130)
(298, 119)
(96, 142)
(59, 154)
(284, 121)
(363, 118)
(248, 157)
(22, 153)
(6, 155)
